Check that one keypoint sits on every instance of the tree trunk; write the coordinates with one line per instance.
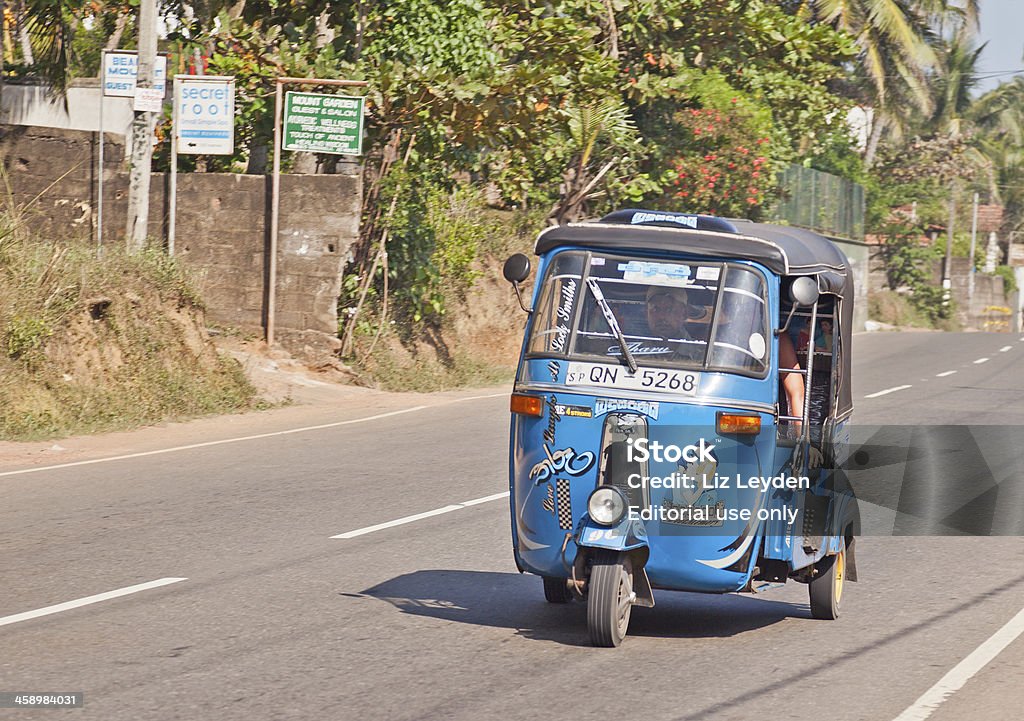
(878, 124)
(23, 38)
(258, 155)
(3, 50)
(115, 37)
(613, 31)
(324, 32)
(304, 164)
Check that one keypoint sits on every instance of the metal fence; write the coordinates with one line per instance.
(822, 202)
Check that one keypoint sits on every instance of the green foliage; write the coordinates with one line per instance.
(26, 335)
(1009, 276)
(433, 239)
(907, 264)
(723, 173)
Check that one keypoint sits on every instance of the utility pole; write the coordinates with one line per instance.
(142, 133)
(970, 263)
(947, 266)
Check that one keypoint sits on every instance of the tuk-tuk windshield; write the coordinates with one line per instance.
(670, 313)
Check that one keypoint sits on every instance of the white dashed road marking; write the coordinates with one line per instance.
(963, 671)
(88, 600)
(420, 516)
(943, 375)
(981, 360)
(887, 391)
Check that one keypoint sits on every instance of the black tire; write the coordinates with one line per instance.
(556, 590)
(826, 588)
(609, 600)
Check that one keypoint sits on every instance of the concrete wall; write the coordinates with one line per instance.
(857, 253)
(989, 309)
(221, 226)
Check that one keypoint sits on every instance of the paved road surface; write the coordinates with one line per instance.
(278, 620)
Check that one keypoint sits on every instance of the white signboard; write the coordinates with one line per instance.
(204, 114)
(149, 100)
(121, 68)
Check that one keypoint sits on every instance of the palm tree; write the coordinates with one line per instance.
(896, 51)
(953, 83)
(999, 119)
(49, 27)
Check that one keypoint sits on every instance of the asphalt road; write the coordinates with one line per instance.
(275, 619)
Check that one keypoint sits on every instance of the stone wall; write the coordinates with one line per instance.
(222, 224)
(989, 309)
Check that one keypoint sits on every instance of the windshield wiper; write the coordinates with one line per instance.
(609, 317)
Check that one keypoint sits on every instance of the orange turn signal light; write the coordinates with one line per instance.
(527, 405)
(742, 423)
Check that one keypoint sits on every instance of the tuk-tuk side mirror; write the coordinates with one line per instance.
(516, 270)
(804, 291)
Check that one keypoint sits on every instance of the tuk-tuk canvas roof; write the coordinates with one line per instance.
(784, 250)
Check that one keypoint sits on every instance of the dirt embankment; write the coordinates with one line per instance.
(476, 343)
(93, 344)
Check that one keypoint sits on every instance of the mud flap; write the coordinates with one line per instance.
(642, 589)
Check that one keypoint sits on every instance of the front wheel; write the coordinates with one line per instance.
(826, 588)
(610, 598)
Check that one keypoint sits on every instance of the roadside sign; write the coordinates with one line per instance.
(148, 99)
(204, 114)
(319, 123)
(121, 68)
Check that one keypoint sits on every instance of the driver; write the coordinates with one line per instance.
(667, 309)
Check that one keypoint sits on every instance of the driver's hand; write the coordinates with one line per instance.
(813, 457)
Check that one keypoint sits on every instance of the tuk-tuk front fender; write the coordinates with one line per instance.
(628, 535)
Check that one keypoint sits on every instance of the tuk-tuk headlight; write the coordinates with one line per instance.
(606, 505)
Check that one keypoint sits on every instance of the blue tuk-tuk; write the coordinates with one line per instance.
(679, 412)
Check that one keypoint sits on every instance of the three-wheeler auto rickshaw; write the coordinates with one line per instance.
(653, 445)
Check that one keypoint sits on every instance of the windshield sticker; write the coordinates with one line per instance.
(574, 411)
(568, 297)
(656, 273)
(608, 405)
(757, 345)
(708, 272)
(597, 261)
(639, 349)
(558, 342)
(689, 221)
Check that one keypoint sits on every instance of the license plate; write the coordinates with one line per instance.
(646, 379)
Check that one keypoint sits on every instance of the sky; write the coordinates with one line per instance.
(1002, 26)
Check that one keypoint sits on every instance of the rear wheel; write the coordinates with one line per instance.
(610, 598)
(826, 588)
(556, 590)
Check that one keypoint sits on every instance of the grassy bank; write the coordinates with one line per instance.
(91, 344)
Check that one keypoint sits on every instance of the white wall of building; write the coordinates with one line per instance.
(31, 105)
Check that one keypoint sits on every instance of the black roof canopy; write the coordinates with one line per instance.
(783, 249)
